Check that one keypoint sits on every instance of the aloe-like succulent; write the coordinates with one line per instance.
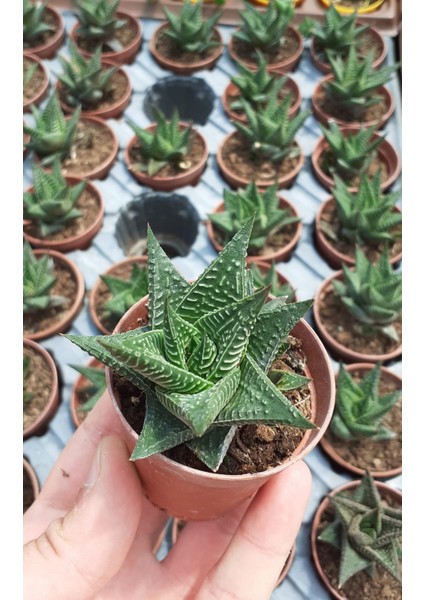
(366, 531)
(34, 24)
(38, 281)
(246, 202)
(85, 81)
(95, 387)
(266, 30)
(203, 359)
(52, 203)
(52, 135)
(27, 395)
(189, 30)
(270, 279)
(124, 292)
(372, 293)
(98, 21)
(168, 143)
(29, 72)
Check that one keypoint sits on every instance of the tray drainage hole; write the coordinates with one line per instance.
(172, 217)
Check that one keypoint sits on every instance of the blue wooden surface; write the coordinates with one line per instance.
(305, 270)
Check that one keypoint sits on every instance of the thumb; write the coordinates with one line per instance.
(79, 553)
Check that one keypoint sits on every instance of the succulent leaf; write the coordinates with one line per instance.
(38, 282)
(34, 25)
(189, 30)
(265, 30)
(95, 388)
(98, 21)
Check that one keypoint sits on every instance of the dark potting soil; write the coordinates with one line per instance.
(336, 110)
(92, 146)
(115, 91)
(255, 448)
(51, 19)
(275, 242)
(367, 42)
(326, 162)
(38, 383)
(28, 491)
(169, 49)
(125, 36)
(273, 56)
(36, 82)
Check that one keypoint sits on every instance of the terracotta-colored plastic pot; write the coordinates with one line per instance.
(184, 68)
(51, 46)
(76, 242)
(33, 479)
(113, 111)
(324, 118)
(167, 184)
(329, 449)
(289, 64)
(44, 88)
(348, 10)
(236, 181)
(326, 248)
(38, 426)
(283, 254)
(232, 90)
(325, 67)
(126, 55)
(192, 495)
(265, 267)
(100, 285)
(339, 351)
(81, 382)
(65, 322)
(385, 152)
(383, 489)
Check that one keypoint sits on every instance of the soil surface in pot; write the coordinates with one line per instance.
(285, 91)
(326, 163)
(88, 205)
(38, 383)
(367, 42)
(330, 221)
(278, 55)
(92, 146)
(254, 448)
(169, 49)
(66, 286)
(116, 89)
(36, 82)
(274, 242)
(28, 491)
(337, 111)
(125, 35)
(50, 19)
(346, 330)
(238, 158)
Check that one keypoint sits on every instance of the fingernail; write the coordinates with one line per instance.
(94, 471)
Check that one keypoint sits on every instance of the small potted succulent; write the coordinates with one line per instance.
(31, 486)
(365, 432)
(192, 363)
(61, 213)
(358, 311)
(53, 292)
(356, 540)
(166, 155)
(266, 274)
(35, 81)
(86, 146)
(264, 149)
(88, 388)
(367, 218)
(352, 153)
(276, 229)
(101, 24)
(43, 29)
(100, 87)
(254, 86)
(187, 42)
(270, 32)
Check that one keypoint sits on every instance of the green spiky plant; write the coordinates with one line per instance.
(38, 281)
(34, 24)
(98, 22)
(29, 72)
(372, 293)
(189, 30)
(27, 395)
(365, 531)
(52, 135)
(52, 203)
(202, 361)
(168, 143)
(360, 408)
(95, 388)
(124, 293)
(246, 202)
(270, 279)
(84, 81)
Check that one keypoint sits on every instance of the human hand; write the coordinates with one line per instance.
(90, 533)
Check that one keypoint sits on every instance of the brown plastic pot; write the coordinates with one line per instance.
(42, 92)
(38, 426)
(324, 118)
(76, 242)
(192, 495)
(383, 489)
(339, 351)
(81, 381)
(236, 181)
(329, 449)
(283, 254)
(32, 476)
(126, 55)
(385, 152)
(184, 68)
(51, 46)
(167, 184)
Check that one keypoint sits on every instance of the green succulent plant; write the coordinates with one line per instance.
(168, 143)
(241, 205)
(27, 395)
(52, 203)
(52, 135)
(202, 361)
(33, 21)
(372, 293)
(29, 72)
(360, 409)
(365, 531)
(189, 30)
(98, 21)
(85, 82)
(270, 279)
(38, 281)
(95, 388)
(125, 293)
(265, 30)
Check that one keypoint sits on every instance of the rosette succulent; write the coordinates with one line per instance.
(38, 281)
(189, 30)
(124, 293)
(98, 21)
(95, 388)
(34, 23)
(270, 279)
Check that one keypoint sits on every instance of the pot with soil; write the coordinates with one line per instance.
(35, 81)
(43, 29)
(41, 394)
(87, 390)
(31, 486)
